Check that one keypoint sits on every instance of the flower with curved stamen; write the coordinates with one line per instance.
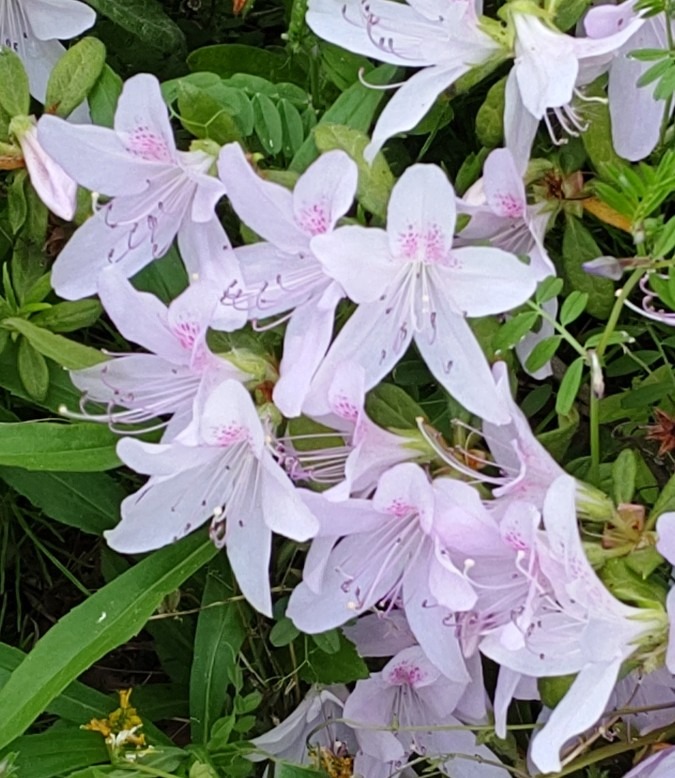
(141, 388)
(220, 467)
(33, 28)
(281, 275)
(412, 284)
(157, 193)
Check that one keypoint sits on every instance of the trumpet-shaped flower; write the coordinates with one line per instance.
(157, 193)
(33, 28)
(219, 467)
(633, 140)
(140, 388)
(412, 284)
(442, 38)
(281, 274)
(385, 552)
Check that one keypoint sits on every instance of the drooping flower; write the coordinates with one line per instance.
(157, 193)
(33, 28)
(442, 38)
(219, 467)
(412, 284)
(548, 71)
(141, 388)
(633, 140)
(658, 765)
(54, 186)
(281, 275)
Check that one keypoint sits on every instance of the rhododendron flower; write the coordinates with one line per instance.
(658, 765)
(281, 274)
(140, 388)
(633, 139)
(548, 70)
(409, 694)
(157, 192)
(442, 38)
(219, 468)
(54, 186)
(390, 551)
(665, 528)
(33, 28)
(412, 284)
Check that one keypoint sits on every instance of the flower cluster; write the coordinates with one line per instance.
(429, 556)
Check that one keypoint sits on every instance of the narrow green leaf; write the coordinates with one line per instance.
(548, 289)
(267, 124)
(58, 446)
(542, 353)
(220, 634)
(104, 96)
(624, 473)
(14, 92)
(514, 330)
(573, 307)
(569, 387)
(104, 621)
(33, 371)
(63, 351)
(59, 752)
(490, 116)
(390, 406)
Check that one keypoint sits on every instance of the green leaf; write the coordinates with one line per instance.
(205, 116)
(665, 501)
(597, 138)
(57, 446)
(548, 289)
(354, 108)
(375, 180)
(104, 621)
(74, 76)
(342, 67)
(328, 642)
(219, 637)
(59, 752)
(569, 387)
(342, 666)
(104, 96)
(629, 587)
(624, 473)
(228, 59)
(391, 407)
(68, 316)
(14, 91)
(90, 502)
(293, 130)
(557, 441)
(573, 307)
(285, 770)
(490, 116)
(146, 19)
(33, 370)
(514, 330)
(665, 242)
(569, 12)
(542, 353)
(579, 247)
(283, 632)
(267, 124)
(554, 688)
(63, 351)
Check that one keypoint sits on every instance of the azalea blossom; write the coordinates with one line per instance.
(412, 284)
(156, 193)
(54, 186)
(33, 28)
(442, 38)
(219, 467)
(633, 140)
(140, 388)
(281, 275)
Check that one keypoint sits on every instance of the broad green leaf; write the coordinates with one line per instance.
(514, 330)
(293, 130)
(342, 67)
(33, 371)
(569, 12)
(220, 634)
(104, 96)
(146, 19)
(228, 59)
(14, 92)
(37, 445)
(328, 642)
(579, 247)
(375, 180)
(624, 473)
(204, 116)
(285, 770)
(629, 586)
(104, 621)
(63, 351)
(557, 441)
(283, 632)
(354, 108)
(597, 138)
(569, 387)
(342, 666)
(490, 116)
(58, 752)
(543, 352)
(390, 406)
(665, 501)
(90, 502)
(554, 688)
(74, 76)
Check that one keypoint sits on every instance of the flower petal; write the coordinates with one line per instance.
(520, 126)
(284, 511)
(58, 19)
(503, 185)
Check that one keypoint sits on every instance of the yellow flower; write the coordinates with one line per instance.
(121, 726)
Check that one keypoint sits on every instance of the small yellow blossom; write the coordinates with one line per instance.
(121, 726)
